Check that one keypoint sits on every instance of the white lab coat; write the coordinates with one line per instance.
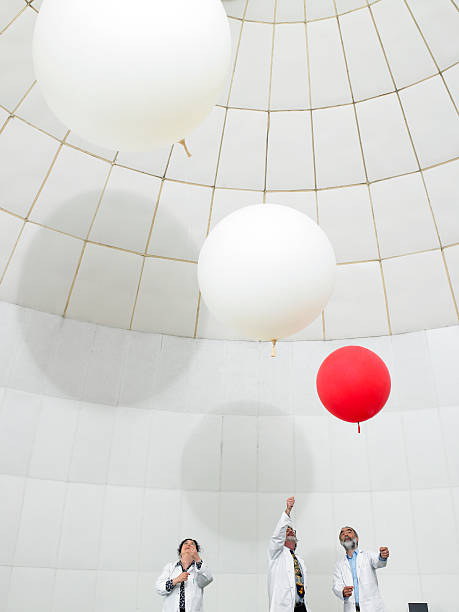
(281, 571)
(197, 580)
(366, 564)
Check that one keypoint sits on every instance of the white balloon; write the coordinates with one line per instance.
(267, 271)
(131, 74)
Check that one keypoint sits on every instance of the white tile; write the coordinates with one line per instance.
(388, 471)
(5, 576)
(16, 70)
(442, 188)
(121, 528)
(115, 591)
(320, 593)
(242, 160)
(181, 221)
(349, 455)
(105, 287)
(235, 30)
(337, 148)
(434, 522)
(204, 146)
(161, 508)
(41, 519)
(438, 22)
(81, 527)
(317, 9)
(412, 376)
(4, 115)
(449, 418)
(105, 366)
(452, 262)
(12, 495)
(89, 147)
(8, 11)
(126, 210)
(432, 120)
(348, 5)
(35, 110)
(251, 78)
(329, 82)
(128, 457)
(423, 430)
(54, 439)
(10, 227)
(260, 10)
(151, 162)
(365, 59)
(210, 327)
(443, 348)
(13, 320)
(290, 161)
(63, 203)
(275, 440)
(140, 368)
(357, 307)
(18, 421)
(168, 298)
(91, 450)
(306, 358)
(74, 591)
(26, 154)
(227, 201)
(397, 589)
(407, 54)
(31, 588)
(290, 10)
(303, 201)
(394, 528)
(243, 589)
(314, 509)
(235, 8)
(418, 293)
(239, 453)
(386, 144)
(41, 270)
(451, 77)
(403, 217)
(312, 454)
(355, 509)
(202, 472)
(345, 216)
(289, 86)
(314, 331)
(440, 591)
(237, 533)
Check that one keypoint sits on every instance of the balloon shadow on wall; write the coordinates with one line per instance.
(228, 461)
(90, 361)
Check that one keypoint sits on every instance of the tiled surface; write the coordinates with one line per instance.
(345, 64)
(87, 485)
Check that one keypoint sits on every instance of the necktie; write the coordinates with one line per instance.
(298, 576)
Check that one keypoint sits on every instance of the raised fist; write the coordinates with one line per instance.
(384, 552)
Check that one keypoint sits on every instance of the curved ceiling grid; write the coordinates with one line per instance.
(348, 114)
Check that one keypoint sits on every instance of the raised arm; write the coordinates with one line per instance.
(203, 575)
(380, 559)
(276, 543)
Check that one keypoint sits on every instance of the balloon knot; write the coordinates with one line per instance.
(273, 352)
(358, 428)
(183, 143)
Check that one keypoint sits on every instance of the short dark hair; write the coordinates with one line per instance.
(179, 549)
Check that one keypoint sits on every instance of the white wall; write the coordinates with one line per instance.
(114, 445)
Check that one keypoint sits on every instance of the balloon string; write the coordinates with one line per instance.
(273, 352)
(359, 427)
(183, 143)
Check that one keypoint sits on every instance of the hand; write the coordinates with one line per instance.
(384, 552)
(194, 554)
(347, 591)
(290, 504)
(182, 578)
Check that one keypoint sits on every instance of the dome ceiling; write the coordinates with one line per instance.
(342, 109)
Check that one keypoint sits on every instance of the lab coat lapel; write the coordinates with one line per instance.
(359, 563)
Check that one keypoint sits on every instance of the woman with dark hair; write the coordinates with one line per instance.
(182, 582)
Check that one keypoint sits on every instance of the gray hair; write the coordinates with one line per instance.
(348, 527)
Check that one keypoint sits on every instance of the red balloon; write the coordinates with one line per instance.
(353, 383)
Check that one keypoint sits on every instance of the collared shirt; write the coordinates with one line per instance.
(170, 585)
(353, 563)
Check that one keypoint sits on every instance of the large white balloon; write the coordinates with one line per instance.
(267, 271)
(131, 74)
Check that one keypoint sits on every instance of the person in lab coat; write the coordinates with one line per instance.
(286, 571)
(354, 580)
(182, 582)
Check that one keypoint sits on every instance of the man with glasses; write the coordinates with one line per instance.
(354, 580)
(286, 571)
